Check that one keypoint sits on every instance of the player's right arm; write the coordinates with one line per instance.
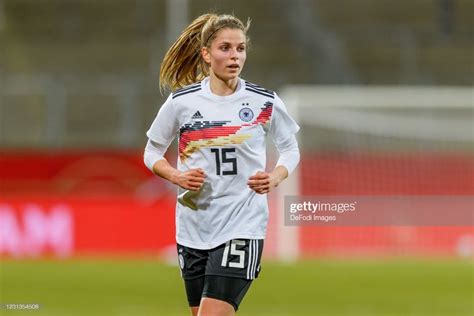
(190, 180)
(160, 135)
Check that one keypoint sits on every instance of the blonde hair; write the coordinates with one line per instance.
(183, 64)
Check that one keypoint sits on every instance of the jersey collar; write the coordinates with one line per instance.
(228, 98)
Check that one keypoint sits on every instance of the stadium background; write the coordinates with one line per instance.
(85, 228)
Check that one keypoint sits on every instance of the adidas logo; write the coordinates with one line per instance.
(197, 115)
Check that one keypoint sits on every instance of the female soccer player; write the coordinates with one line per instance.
(221, 121)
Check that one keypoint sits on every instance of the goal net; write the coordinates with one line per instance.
(377, 141)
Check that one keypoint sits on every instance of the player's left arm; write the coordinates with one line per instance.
(282, 130)
(263, 182)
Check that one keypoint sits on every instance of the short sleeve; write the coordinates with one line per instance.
(282, 125)
(165, 126)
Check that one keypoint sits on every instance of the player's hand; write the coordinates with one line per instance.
(192, 180)
(263, 182)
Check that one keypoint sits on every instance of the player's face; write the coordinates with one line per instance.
(227, 54)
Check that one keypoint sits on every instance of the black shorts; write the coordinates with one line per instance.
(223, 273)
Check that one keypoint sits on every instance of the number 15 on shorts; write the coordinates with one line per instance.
(242, 256)
(231, 247)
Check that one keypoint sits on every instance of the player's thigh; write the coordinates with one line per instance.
(226, 293)
(230, 270)
(192, 263)
(194, 310)
(215, 307)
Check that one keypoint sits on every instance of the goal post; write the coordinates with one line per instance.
(372, 140)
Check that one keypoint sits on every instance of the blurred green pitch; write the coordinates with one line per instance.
(325, 287)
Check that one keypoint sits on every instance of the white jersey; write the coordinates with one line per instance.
(225, 136)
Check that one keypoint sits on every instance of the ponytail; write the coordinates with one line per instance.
(182, 64)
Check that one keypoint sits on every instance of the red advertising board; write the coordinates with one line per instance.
(82, 202)
(67, 226)
(74, 203)
(385, 174)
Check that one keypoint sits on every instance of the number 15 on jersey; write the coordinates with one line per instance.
(225, 161)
